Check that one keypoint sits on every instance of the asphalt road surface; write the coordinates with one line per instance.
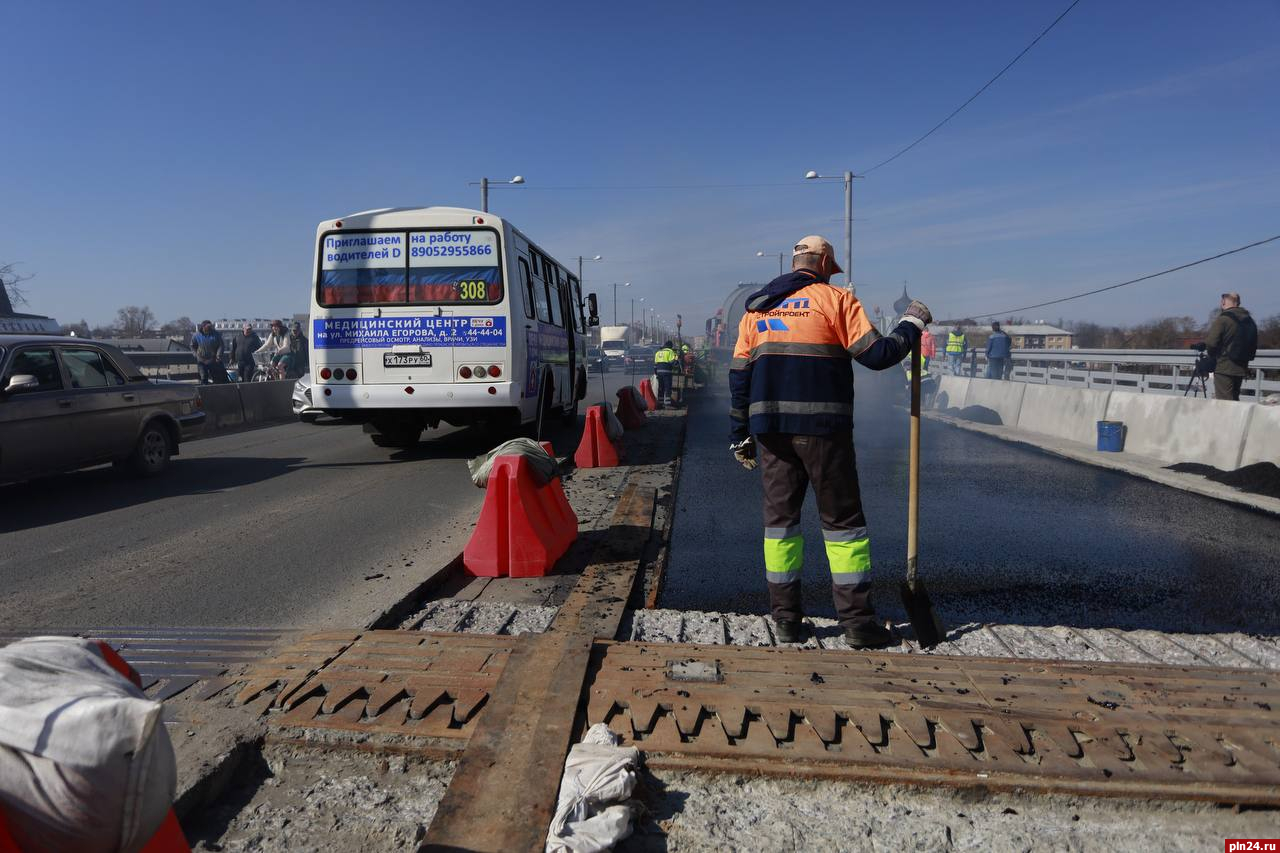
(1008, 534)
(288, 526)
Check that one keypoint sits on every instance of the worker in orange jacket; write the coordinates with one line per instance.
(928, 348)
(791, 381)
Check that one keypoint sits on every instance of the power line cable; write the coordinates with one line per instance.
(975, 95)
(1129, 282)
(527, 187)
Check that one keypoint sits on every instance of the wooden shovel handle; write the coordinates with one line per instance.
(913, 484)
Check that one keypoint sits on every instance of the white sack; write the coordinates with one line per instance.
(596, 773)
(544, 465)
(85, 761)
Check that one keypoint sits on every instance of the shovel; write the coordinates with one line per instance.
(915, 598)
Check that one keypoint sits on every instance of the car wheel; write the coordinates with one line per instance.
(151, 454)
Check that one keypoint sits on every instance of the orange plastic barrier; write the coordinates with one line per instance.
(596, 450)
(523, 528)
(629, 411)
(646, 391)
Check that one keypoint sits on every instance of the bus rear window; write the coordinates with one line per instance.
(454, 266)
(435, 267)
(362, 269)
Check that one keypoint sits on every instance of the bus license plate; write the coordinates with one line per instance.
(392, 359)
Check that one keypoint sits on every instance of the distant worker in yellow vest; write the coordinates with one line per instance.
(791, 381)
(664, 365)
(957, 343)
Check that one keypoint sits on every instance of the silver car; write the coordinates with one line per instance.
(68, 403)
(302, 400)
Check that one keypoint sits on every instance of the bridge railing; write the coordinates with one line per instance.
(1141, 371)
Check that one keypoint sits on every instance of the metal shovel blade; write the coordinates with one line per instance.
(924, 619)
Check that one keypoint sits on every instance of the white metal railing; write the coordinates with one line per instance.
(1149, 371)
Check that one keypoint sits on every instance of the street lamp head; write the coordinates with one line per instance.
(810, 175)
(626, 284)
(518, 179)
(759, 254)
(597, 257)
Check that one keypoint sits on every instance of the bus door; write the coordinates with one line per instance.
(572, 325)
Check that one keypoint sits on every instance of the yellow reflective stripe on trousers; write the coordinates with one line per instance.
(850, 561)
(783, 557)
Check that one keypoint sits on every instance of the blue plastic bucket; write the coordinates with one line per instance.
(1111, 436)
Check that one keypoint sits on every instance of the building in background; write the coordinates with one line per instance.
(1038, 336)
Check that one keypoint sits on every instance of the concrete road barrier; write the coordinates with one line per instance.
(246, 404)
(1070, 413)
(1004, 398)
(267, 402)
(1262, 436)
(222, 408)
(951, 392)
(1182, 429)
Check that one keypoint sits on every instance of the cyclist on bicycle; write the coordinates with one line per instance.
(277, 346)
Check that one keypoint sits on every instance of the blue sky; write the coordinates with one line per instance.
(180, 155)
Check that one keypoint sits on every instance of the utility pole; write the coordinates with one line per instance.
(848, 221)
(848, 231)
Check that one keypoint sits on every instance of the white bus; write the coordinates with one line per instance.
(423, 315)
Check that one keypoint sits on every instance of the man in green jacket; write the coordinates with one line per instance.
(1232, 343)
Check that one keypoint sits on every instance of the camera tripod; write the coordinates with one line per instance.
(1196, 385)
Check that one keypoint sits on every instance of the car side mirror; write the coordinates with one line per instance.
(21, 382)
(593, 310)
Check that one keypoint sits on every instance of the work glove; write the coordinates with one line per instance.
(917, 314)
(745, 452)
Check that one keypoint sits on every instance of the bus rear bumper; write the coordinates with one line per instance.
(358, 398)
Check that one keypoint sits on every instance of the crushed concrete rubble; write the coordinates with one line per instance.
(324, 800)
(695, 811)
(1056, 642)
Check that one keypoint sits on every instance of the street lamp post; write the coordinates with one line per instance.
(582, 258)
(484, 188)
(848, 219)
(780, 255)
(615, 300)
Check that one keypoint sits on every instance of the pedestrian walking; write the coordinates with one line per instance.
(957, 344)
(243, 346)
(928, 349)
(300, 350)
(791, 381)
(207, 345)
(664, 366)
(999, 349)
(1232, 343)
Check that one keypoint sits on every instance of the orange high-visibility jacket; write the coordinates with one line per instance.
(792, 368)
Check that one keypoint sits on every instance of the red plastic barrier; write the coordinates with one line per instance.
(523, 528)
(629, 411)
(646, 391)
(596, 450)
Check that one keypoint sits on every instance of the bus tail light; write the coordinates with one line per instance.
(464, 372)
(325, 373)
(493, 390)
(351, 374)
(495, 371)
(480, 372)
